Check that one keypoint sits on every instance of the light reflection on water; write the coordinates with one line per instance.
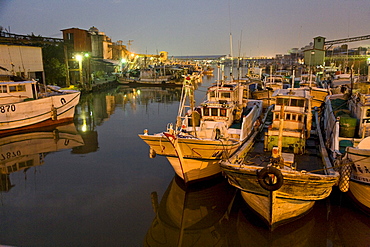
(100, 188)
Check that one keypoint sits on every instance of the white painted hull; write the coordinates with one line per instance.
(57, 108)
(200, 157)
(360, 176)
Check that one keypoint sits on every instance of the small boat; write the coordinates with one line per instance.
(154, 76)
(22, 151)
(26, 104)
(204, 134)
(281, 177)
(347, 131)
(191, 215)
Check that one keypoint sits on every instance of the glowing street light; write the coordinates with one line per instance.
(79, 59)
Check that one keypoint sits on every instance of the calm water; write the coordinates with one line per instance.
(97, 186)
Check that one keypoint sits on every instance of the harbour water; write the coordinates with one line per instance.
(92, 183)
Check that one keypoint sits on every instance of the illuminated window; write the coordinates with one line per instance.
(223, 112)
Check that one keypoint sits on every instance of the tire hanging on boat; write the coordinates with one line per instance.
(270, 178)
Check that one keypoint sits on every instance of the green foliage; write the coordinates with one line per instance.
(54, 65)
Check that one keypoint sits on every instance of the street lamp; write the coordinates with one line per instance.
(368, 69)
(79, 59)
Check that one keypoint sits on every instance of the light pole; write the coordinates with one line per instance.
(79, 59)
(368, 69)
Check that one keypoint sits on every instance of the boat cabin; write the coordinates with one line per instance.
(359, 107)
(220, 103)
(291, 116)
(17, 91)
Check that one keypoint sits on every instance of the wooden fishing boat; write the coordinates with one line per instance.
(25, 104)
(191, 215)
(347, 130)
(281, 177)
(203, 134)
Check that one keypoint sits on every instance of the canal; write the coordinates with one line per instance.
(92, 183)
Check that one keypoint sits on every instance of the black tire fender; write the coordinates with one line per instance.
(270, 178)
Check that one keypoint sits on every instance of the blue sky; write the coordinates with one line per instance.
(189, 27)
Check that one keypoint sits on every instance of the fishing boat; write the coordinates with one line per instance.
(191, 215)
(203, 135)
(22, 151)
(347, 131)
(154, 76)
(26, 104)
(281, 177)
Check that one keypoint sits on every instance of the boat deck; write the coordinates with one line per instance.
(309, 161)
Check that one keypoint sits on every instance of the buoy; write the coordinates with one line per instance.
(270, 178)
(345, 174)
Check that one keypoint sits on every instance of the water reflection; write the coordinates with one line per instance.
(193, 216)
(96, 108)
(23, 151)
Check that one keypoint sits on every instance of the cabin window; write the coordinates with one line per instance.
(299, 118)
(21, 88)
(294, 102)
(212, 94)
(225, 95)
(277, 116)
(206, 111)
(223, 112)
(12, 88)
(3, 89)
(282, 101)
(368, 113)
(301, 103)
(294, 117)
(214, 111)
(288, 116)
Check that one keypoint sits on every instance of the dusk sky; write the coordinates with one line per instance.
(202, 27)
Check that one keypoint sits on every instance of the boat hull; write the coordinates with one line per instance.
(292, 200)
(54, 109)
(360, 176)
(200, 158)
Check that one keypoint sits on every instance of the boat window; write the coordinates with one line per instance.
(21, 88)
(12, 88)
(3, 89)
(277, 116)
(282, 101)
(214, 111)
(294, 117)
(223, 112)
(294, 102)
(225, 95)
(368, 113)
(288, 116)
(301, 103)
(212, 94)
(299, 118)
(206, 111)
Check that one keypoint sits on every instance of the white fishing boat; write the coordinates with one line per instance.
(281, 177)
(202, 135)
(25, 104)
(347, 130)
